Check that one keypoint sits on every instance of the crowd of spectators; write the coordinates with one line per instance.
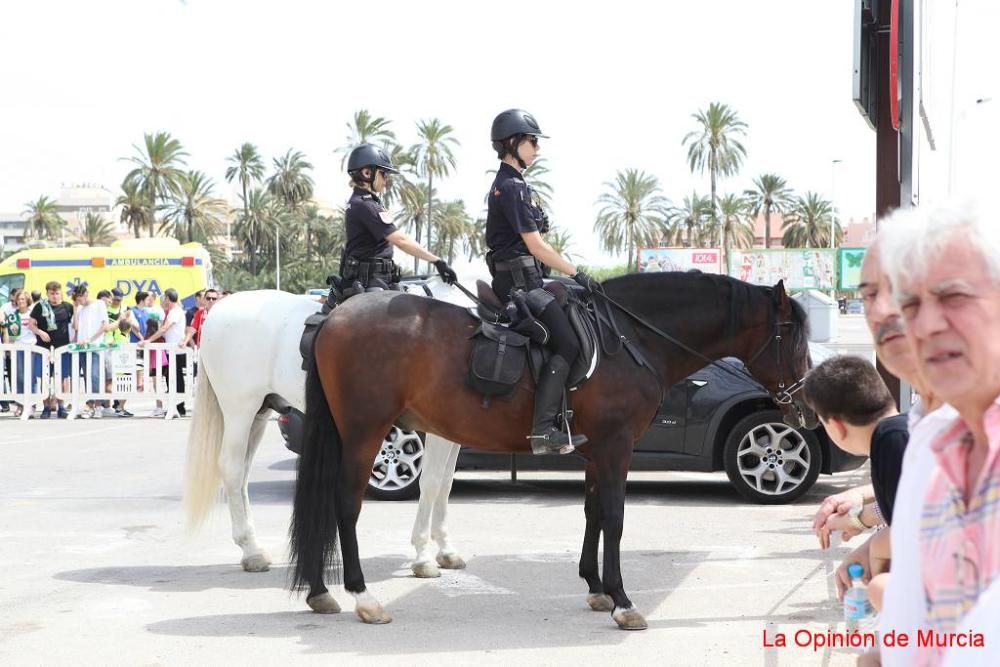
(96, 324)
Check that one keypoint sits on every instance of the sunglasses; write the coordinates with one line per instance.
(211, 298)
(534, 141)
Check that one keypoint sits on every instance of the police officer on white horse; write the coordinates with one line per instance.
(517, 253)
(371, 234)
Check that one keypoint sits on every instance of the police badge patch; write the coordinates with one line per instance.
(385, 217)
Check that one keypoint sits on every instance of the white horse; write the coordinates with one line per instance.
(249, 366)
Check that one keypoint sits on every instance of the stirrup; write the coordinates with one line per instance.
(542, 443)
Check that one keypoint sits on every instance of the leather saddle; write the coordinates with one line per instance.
(507, 342)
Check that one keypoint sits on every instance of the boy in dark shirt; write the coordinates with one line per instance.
(52, 317)
(860, 416)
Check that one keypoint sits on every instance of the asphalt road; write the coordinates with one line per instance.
(97, 568)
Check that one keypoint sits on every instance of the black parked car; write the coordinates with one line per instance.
(712, 420)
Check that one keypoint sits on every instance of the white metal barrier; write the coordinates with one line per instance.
(82, 374)
(26, 375)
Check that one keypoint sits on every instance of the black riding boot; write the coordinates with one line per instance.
(545, 437)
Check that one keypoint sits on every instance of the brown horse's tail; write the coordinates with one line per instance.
(313, 531)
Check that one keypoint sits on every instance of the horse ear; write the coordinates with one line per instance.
(781, 296)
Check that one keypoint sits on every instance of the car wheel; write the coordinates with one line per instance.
(396, 470)
(770, 462)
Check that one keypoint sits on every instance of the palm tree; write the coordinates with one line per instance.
(365, 129)
(43, 220)
(255, 225)
(454, 225)
(434, 157)
(406, 162)
(691, 216)
(769, 194)
(135, 213)
(95, 230)
(809, 222)
(632, 213)
(737, 229)
(290, 183)
(247, 166)
(475, 239)
(292, 186)
(714, 146)
(561, 241)
(157, 171)
(194, 207)
(411, 214)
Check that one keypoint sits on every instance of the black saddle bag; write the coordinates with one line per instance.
(499, 357)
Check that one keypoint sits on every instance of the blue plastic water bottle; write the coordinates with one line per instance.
(858, 612)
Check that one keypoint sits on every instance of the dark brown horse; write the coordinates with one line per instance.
(386, 358)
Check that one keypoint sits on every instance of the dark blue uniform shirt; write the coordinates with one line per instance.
(367, 223)
(510, 212)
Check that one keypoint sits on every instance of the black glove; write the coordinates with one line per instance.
(585, 281)
(446, 272)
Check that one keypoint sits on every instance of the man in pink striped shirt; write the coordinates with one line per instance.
(944, 264)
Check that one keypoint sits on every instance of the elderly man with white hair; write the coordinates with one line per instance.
(944, 266)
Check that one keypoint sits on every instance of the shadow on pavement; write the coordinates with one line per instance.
(537, 600)
(200, 578)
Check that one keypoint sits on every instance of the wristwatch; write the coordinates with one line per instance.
(854, 516)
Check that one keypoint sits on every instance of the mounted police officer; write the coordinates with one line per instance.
(370, 232)
(517, 253)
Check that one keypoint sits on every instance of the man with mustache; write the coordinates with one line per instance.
(902, 608)
(885, 324)
(945, 266)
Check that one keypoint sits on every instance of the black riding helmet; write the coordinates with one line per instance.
(367, 155)
(508, 129)
(512, 122)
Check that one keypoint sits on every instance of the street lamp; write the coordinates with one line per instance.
(833, 196)
(833, 218)
(277, 258)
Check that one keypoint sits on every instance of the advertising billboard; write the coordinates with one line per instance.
(807, 268)
(708, 260)
(850, 267)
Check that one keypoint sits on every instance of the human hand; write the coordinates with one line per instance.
(841, 522)
(446, 272)
(839, 503)
(587, 281)
(859, 555)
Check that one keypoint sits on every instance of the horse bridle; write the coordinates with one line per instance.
(783, 396)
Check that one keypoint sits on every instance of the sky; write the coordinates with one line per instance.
(615, 85)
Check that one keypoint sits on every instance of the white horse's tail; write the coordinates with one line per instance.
(202, 478)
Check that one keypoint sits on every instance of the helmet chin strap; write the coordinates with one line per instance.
(513, 147)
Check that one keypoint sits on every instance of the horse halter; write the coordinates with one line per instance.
(783, 396)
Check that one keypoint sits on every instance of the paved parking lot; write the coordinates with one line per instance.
(98, 570)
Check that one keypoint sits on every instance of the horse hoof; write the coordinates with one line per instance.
(256, 563)
(629, 619)
(600, 602)
(425, 570)
(324, 603)
(450, 561)
(373, 614)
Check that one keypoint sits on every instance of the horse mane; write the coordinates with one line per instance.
(678, 288)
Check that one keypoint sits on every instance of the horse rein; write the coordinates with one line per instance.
(784, 396)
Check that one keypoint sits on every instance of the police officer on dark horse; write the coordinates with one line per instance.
(517, 251)
(371, 234)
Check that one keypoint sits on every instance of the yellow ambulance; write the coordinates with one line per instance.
(131, 265)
